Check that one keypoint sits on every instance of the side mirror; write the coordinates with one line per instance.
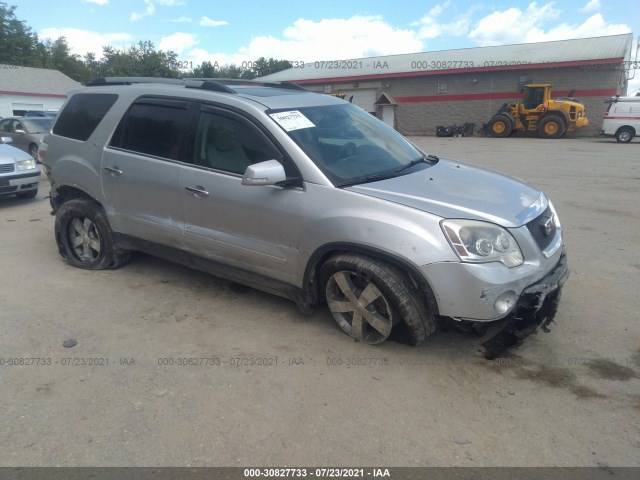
(269, 172)
(6, 139)
(20, 131)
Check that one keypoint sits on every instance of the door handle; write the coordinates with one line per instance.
(198, 191)
(113, 171)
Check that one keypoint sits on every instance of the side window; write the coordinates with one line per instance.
(5, 125)
(230, 143)
(154, 127)
(82, 114)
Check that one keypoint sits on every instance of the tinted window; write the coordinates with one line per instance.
(82, 114)
(231, 144)
(5, 125)
(154, 127)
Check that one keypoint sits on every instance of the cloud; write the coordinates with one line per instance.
(150, 9)
(516, 26)
(171, 3)
(97, 2)
(334, 39)
(511, 25)
(430, 27)
(594, 26)
(591, 6)
(84, 41)
(209, 22)
(328, 39)
(182, 19)
(178, 42)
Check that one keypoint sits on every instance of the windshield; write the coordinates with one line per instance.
(37, 125)
(348, 144)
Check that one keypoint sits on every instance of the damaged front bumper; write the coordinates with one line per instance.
(536, 308)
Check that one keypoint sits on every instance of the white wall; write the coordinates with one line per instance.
(9, 102)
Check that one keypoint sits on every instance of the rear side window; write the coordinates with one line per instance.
(154, 127)
(82, 114)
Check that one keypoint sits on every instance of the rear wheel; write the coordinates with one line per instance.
(551, 127)
(368, 299)
(499, 126)
(84, 236)
(625, 135)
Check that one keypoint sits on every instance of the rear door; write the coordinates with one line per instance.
(141, 169)
(255, 228)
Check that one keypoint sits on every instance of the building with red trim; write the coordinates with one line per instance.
(417, 92)
(24, 88)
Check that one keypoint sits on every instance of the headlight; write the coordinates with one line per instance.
(26, 164)
(482, 242)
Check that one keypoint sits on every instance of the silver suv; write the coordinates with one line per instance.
(305, 196)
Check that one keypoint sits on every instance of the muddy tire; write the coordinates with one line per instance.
(624, 135)
(369, 298)
(551, 127)
(84, 236)
(499, 126)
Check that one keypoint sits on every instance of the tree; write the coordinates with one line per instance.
(18, 44)
(141, 60)
(262, 67)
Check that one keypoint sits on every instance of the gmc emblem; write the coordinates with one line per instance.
(549, 225)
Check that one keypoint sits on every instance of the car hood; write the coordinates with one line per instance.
(452, 189)
(9, 154)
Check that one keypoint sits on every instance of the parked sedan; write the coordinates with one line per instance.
(19, 174)
(26, 133)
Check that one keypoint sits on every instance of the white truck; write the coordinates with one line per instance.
(622, 118)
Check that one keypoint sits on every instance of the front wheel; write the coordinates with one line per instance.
(369, 298)
(551, 126)
(84, 236)
(499, 126)
(624, 135)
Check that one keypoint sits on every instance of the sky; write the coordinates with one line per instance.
(241, 31)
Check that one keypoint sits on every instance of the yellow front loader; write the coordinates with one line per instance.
(538, 112)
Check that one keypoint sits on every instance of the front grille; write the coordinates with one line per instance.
(9, 189)
(6, 168)
(538, 229)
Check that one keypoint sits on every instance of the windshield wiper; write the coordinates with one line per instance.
(383, 176)
(428, 159)
(367, 179)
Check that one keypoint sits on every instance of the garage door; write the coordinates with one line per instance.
(362, 98)
(22, 108)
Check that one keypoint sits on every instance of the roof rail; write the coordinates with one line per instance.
(258, 83)
(104, 81)
(207, 85)
(213, 84)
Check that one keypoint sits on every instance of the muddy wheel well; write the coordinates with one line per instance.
(321, 255)
(66, 193)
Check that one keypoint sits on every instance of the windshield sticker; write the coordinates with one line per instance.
(292, 120)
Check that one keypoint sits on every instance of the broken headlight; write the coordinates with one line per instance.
(482, 242)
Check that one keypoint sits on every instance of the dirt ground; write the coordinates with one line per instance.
(174, 367)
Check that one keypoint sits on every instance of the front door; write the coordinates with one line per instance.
(255, 228)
